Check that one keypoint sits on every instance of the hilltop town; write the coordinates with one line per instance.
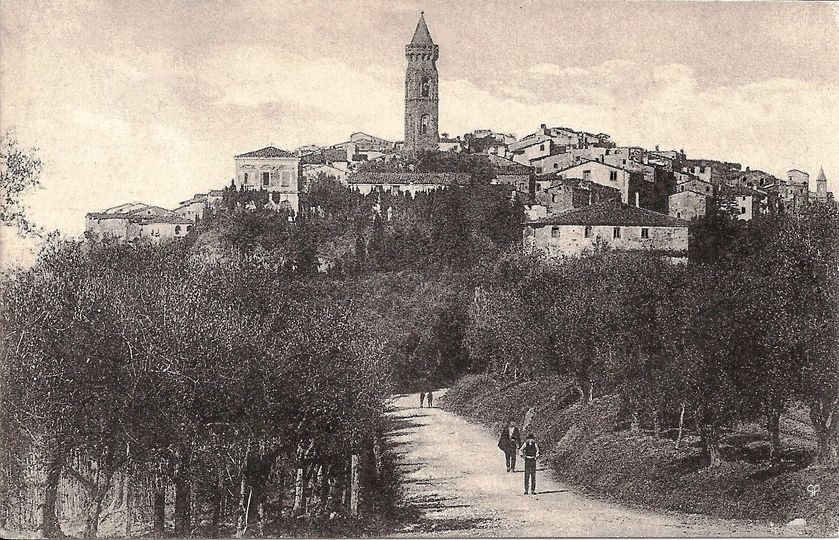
(352, 340)
(642, 199)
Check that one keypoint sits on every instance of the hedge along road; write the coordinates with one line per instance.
(454, 474)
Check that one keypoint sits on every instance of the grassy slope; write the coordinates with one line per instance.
(590, 447)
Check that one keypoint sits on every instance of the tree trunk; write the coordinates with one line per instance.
(299, 495)
(825, 417)
(244, 507)
(710, 437)
(634, 420)
(773, 421)
(183, 493)
(324, 484)
(94, 511)
(215, 520)
(354, 487)
(159, 511)
(48, 521)
(127, 504)
(681, 426)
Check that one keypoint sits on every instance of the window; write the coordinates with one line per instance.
(556, 165)
(553, 197)
(541, 147)
(246, 178)
(425, 87)
(555, 231)
(266, 179)
(616, 232)
(177, 229)
(586, 175)
(424, 124)
(286, 178)
(613, 176)
(645, 232)
(743, 210)
(588, 231)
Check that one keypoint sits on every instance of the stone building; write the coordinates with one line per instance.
(565, 194)
(411, 183)
(135, 221)
(274, 170)
(608, 225)
(600, 173)
(421, 91)
(688, 204)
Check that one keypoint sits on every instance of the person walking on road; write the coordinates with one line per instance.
(422, 399)
(430, 397)
(509, 443)
(530, 453)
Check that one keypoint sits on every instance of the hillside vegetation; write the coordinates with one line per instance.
(592, 447)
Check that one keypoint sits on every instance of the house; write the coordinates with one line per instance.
(790, 194)
(193, 209)
(527, 150)
(709, 170)
(448, 144)
(688, 182)
(133, 221)
(688, 204)
(274, 170)
(746, 203)
(568, 193)
(607, 225)
(600, 173)
(404, 182)
(313, 171)
(510, 173)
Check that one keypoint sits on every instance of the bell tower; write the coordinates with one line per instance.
(421, 97)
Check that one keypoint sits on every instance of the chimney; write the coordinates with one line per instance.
(637, 202)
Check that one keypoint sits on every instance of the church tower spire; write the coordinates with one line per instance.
(421, 97)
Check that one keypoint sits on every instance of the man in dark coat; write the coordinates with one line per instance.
(422, 399)
(530, 453)
(509, 443)
(430, 397)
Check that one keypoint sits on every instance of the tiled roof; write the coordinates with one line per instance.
(174, 219)
(445, 179)
(734, 191)
(611, 213)
(267, 152)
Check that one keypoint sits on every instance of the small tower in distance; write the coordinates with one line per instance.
(821, 186)
(421, 97)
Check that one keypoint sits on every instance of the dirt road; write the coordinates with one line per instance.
(455, 475)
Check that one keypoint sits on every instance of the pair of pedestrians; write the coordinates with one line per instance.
(426, 395)
(510, 443)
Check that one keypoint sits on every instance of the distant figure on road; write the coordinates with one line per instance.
(530, 453)
(422, 399)
(430, 398)
(509, 443)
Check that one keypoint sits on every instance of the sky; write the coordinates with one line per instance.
(149, 101)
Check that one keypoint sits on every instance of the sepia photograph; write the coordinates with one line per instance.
(416, 269)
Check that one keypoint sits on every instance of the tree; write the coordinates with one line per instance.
(20, 170)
